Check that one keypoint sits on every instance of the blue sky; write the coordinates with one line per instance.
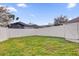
(42, 13)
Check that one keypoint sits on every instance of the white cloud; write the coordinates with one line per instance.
(70, 18)
(21, 5)
(71, 5)
(32, 15)
(12, 9)
(2, 6)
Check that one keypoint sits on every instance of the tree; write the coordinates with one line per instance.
(17, 18)
(5, 16)
(60, 20)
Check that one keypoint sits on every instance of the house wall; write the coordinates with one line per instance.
(68, 31)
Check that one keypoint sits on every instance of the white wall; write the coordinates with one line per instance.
(69, 31)
(51, 31)
(72, 31)
(20, 32)
(3, 34)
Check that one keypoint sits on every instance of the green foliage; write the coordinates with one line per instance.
(60, 20)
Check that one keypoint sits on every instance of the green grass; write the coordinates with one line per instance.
(38, 46)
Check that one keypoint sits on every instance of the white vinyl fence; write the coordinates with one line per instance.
(68, 31)
(3, 34)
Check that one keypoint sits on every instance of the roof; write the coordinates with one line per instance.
(21, 23)
(74, 20)
(26, 25)
(30, 25)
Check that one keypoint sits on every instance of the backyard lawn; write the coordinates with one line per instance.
(38, 46)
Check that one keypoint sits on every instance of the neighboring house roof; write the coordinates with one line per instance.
(74, 20)
(21, 24)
